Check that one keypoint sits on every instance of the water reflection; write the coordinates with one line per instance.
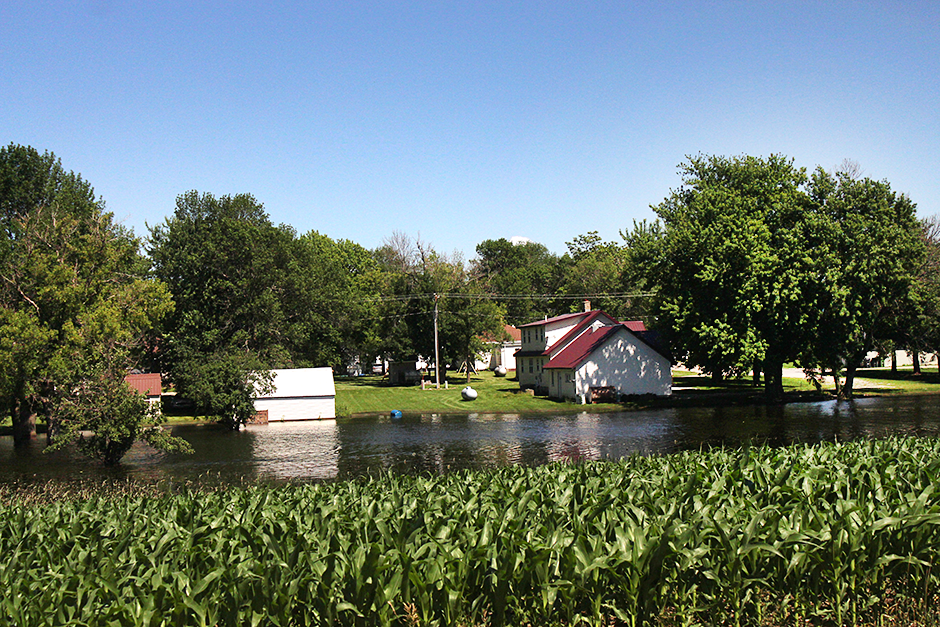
(440, 443)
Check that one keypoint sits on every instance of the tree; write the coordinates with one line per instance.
(468, 317)
(224, 263)
(642, 248)
(417, 276)
(524, 273)
(76, 305)
(596, 267)
(330, 302)
(875, 247)
(734, 282)
(922, 335)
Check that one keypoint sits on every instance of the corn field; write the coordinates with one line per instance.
(832, 534)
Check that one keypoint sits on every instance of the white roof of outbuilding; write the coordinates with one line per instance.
(302, 382)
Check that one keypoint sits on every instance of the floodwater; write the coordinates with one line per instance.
(347, 448)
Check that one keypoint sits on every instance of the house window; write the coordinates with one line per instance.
(553, 377)
(530, 365)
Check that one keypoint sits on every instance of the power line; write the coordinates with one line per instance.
(483, 296)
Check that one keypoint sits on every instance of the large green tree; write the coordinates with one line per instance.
(76, 306)
(734, 278)
(224, 263)
(874, 248)
(760, 265)
(330, 302)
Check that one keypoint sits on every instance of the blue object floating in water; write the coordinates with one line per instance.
(396, 413)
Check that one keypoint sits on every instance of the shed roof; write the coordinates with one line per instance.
(302, 382)
(148, 384)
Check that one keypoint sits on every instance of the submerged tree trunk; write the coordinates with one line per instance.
(847, 392)
(773, 379)
(837, 382)
(24, 424)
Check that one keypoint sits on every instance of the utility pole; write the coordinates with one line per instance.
(437, 355)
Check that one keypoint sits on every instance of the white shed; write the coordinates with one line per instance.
(299, 394)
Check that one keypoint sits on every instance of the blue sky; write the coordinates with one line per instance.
(461, 122)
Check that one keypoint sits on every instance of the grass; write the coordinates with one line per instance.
(371, 395)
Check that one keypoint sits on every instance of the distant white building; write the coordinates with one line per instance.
(299, 394)
(501, 352)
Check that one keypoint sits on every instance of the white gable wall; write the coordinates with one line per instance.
(306, 408)
(627, 364)
(299, 394)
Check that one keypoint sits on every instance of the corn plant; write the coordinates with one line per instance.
(827, 534)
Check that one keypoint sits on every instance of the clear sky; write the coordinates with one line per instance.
(463, 121)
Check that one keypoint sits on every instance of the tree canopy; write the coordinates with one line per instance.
(759, 265)
(76, 308)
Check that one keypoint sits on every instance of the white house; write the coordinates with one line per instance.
(299, 394)
(608, 361)
(543, 339)
(502, 352)
(589, 353)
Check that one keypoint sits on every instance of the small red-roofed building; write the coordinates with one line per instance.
(149, 384)
(589, 356)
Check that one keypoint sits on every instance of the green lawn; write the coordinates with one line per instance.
(371, 395)
(869, 382)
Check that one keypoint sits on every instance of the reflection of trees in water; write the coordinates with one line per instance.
(418, 444)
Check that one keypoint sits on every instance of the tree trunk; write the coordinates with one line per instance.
(52, 430)
(836, 381)
(755, 376)
(916, 355)
(24, 424)
(773, 379)
(847, 392)
(894, 362)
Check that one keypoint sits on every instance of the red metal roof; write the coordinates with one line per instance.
(575, 353)
(634, 325)
(150, 384)
(582, 347)
(576, 330)
(555, 319)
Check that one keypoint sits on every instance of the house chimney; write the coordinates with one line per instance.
(587, 306)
